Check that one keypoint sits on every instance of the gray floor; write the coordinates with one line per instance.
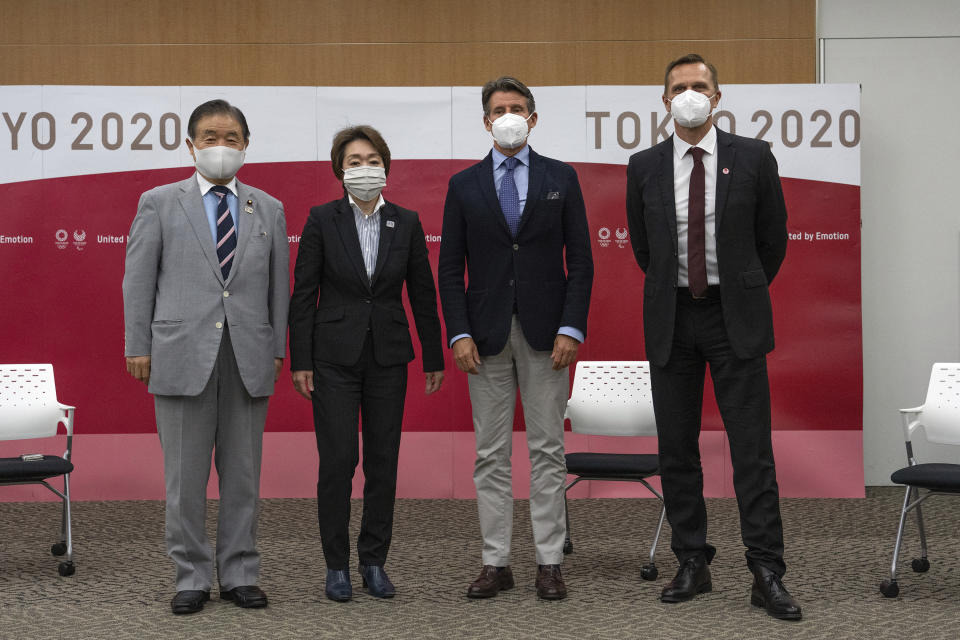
(837, 552)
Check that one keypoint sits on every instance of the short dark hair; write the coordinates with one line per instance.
(216, 107)
(506, 83)
(690, 58)
(360, 132)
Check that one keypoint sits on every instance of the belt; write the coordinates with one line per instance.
(712, 293)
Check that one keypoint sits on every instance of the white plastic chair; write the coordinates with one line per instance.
(29, 409)
(939, 417)
(612, 398)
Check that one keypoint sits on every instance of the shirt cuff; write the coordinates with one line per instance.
(576, 334)
(457, 337)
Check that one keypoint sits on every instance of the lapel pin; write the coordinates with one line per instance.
(726, 171)
(390, 224)
(249, 207)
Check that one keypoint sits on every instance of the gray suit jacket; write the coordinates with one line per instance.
(175, 301)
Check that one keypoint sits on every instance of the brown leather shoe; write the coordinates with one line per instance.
(492, 581)
(550, 583)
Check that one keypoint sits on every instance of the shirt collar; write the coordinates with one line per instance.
(523, 156)
(708, 143)
(356, 207)
(206, 185)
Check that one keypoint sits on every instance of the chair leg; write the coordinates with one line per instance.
(889, 587)
(649, 571)
(921, 564)
(567, 542)
(66, 567)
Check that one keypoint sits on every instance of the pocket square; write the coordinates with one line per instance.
(553, 195)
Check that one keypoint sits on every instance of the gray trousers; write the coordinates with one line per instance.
(226, 421)
(493, 396)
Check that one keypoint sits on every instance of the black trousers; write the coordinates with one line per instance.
(341, 395)
(743, 395)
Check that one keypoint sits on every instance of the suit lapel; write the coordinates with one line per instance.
(726, 156)
(388, 229)
(192, 203)
(535, 172)
(489, 190)
(245, 200)
(665, 178)
(347, 228)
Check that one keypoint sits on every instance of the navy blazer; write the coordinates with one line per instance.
(751, 232)
(547, 269)
(334, 303)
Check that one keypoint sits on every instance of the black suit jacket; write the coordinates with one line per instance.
(333, 301)
(751, 232)
(550, 292)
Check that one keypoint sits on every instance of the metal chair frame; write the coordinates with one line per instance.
(630, 414)
(29, 409)
(938, 417)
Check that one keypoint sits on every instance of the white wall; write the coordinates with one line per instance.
(906, 56)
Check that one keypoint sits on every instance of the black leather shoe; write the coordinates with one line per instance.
(692, 577)
(246, 597)
(376, 582)
(189, 601)
(768, 592)
(338, 586)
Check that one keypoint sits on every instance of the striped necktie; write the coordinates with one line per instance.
(226, 231)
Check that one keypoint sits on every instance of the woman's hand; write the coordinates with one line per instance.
(303, 383)
(434, 380)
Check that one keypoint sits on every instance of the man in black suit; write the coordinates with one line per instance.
(516, 223)
(708, 225)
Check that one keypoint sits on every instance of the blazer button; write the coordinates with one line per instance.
(219, 325)
(511, 283)
(226, 294)
(516, 247)
(367, 300)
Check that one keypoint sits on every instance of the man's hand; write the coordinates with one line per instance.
(434, 380)
(139, 368)
(277, 368)
(303, 383)
(564, 351)
(466, 356)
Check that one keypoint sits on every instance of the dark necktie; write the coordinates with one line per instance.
(226, 232)
(509, 198)
(696, 232)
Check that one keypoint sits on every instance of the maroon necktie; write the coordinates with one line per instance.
(696, 243)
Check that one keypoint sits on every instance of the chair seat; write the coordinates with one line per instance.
(937, 476)
(613, 465)
(17, 470)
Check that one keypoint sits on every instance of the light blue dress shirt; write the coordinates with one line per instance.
(211, 200)
(521, 177)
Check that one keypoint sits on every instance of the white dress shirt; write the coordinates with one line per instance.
(368, 230)
(682, 169)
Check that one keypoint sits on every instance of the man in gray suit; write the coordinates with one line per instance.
(205, 294)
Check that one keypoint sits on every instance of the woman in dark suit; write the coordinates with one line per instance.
(350, 345)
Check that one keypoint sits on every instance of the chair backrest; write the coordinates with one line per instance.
(612, 398)
(28, 402)
(940, 417)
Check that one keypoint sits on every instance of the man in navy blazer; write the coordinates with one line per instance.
(515, 223)
(707, 222)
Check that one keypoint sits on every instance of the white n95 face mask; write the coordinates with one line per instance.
(218, 163)
(690, 109)
(365, 182)
(510, 130)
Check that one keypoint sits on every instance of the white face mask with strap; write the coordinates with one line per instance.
(510, 130)
(218, 163)
(690, 109)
